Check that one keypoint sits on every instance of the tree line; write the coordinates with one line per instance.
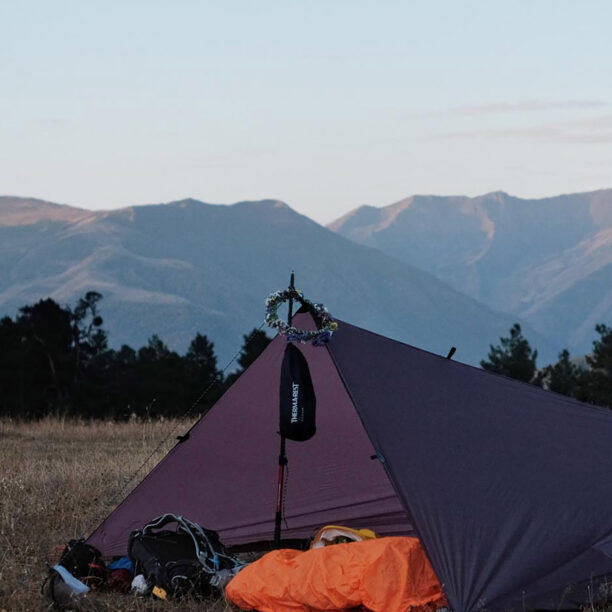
(588, 379)
(55, 360)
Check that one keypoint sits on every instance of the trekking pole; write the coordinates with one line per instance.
(282, 456)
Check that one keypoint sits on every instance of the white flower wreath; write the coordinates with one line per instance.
(318, 337)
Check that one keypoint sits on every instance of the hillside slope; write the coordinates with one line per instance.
(184, 267)
(547, 261)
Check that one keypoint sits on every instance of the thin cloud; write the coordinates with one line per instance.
(528, 106)
(601, 164)
(594, 130)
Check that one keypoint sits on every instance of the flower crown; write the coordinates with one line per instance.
(318, 337)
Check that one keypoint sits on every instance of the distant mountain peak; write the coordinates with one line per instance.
(498, 195)
(267, 204)
(16, 211)
(365, 213)
(189, 202)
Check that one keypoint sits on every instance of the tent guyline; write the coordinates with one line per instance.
(218, 377)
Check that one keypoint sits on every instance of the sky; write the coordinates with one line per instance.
(326, 105)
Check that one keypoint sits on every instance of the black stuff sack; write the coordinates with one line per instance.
(297, 399)
(84, 562)
(185, 560)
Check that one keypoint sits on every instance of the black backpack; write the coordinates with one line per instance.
(84, 562)
(188, 559)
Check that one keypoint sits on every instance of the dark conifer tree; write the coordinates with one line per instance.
(201, 359)
(159, 382)
(89, 338)
(205, 380)
(598, 386)
(14, 390)
(514, 357)
(49, 366)
(253, 345)
(564, 376)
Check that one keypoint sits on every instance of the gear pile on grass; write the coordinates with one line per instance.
(318, 337)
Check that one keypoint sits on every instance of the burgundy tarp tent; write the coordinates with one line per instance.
(506, 485)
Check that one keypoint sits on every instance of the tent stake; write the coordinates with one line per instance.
(282, 456)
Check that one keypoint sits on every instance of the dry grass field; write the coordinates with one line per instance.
(58, 480)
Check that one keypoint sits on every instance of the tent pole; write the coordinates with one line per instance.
(282, 455)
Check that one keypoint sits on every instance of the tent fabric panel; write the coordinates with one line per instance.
(225, 475)
(505, 482)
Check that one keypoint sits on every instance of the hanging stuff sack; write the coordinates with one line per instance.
(187, 559)
(84, 562)
(297, 407)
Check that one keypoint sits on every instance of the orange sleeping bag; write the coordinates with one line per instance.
(384, 575)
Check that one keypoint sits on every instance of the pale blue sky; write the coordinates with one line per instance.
(326, 105)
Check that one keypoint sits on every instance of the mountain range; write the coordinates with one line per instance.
(547, 261)
(185, 267)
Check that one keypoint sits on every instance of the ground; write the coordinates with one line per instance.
(58, 480)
